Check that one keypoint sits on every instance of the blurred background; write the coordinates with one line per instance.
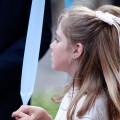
(48, 82)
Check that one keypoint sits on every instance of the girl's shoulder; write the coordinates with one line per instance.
(99, 109)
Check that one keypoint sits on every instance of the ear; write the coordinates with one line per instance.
(77, 50)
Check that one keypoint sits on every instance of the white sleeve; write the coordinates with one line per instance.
(84, 118)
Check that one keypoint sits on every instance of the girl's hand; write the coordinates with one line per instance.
(26, 112)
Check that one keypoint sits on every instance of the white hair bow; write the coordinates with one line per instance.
(107, 17)
(110, 19)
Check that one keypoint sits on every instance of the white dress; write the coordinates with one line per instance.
(97, 112)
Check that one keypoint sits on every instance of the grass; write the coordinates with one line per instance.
(43, 100)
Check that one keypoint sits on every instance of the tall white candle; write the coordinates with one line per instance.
(32, 48)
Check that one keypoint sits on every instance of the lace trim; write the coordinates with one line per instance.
(100, 112)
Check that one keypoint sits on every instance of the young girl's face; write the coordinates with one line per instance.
(60, 55)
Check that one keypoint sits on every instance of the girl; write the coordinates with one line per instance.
(87, 48)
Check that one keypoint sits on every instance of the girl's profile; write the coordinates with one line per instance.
(87, 48)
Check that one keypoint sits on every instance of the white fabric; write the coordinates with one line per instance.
(104, 17)
(110, 19)
(97, 112)
(107, 17)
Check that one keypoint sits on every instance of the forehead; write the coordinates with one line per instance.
(59, 29)
(62, 37)
(60, 33)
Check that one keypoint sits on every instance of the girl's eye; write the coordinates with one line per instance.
(56, 40)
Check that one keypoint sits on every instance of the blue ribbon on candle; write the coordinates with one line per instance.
(32, 48)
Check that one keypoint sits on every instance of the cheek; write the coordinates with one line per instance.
(60, 60)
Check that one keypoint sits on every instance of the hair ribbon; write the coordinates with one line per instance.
(110, 19)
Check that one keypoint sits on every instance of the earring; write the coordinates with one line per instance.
(69, 61)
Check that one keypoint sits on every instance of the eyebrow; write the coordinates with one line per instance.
(57, 34)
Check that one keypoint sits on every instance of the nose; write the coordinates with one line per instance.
(51, 45)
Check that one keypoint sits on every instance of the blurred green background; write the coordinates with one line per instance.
(43, 99)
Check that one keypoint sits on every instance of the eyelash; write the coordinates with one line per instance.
(56, 39)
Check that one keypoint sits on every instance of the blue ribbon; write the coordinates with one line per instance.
(68, 3)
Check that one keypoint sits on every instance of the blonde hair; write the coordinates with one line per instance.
(111, 9)
(99, 65)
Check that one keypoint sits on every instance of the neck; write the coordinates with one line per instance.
(72, 69)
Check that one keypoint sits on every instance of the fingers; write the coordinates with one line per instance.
(24, 109)
(19, 114)
(23, 113)
(17, 118)
(26, 112)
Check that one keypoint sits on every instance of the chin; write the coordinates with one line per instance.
(55, 68)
